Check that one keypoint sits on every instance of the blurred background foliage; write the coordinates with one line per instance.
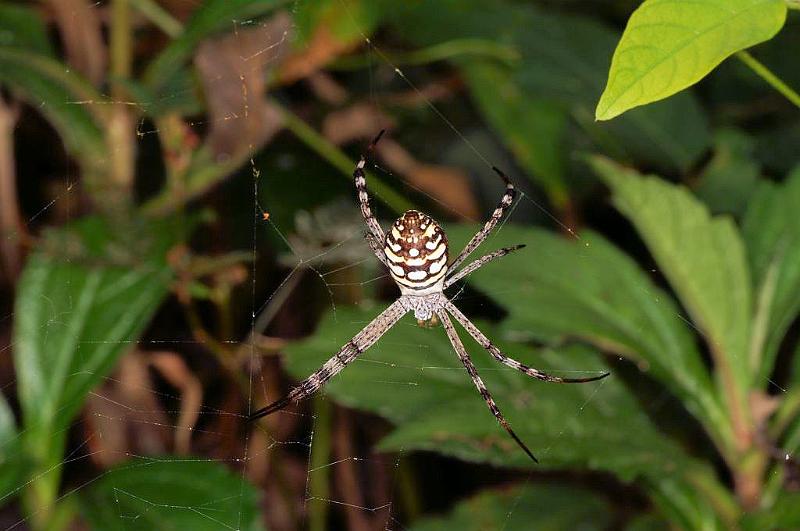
(180, 242)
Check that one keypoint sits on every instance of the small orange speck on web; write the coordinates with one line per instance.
(265, 216)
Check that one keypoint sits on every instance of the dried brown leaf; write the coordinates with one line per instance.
(445, 184)
(80, 27)
(232, 70)
(172, 367)
(356, 122)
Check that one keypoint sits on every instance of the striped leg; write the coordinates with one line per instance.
(505, 360)
(350, 351)
(480, 262)
(376, 247)
(497, 215)
(473, 372)
(360, 180)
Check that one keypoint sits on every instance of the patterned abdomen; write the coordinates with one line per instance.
(416, 248)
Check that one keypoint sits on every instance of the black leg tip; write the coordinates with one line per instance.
(502, 175)
(377, 139)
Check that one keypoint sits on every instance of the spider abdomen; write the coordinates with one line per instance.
(416, 250)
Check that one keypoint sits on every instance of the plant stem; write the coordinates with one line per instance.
(162, 19)
(338, 159)
(766, 74)
(121, 45)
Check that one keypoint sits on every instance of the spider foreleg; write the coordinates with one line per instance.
(360, 180)
(476, 379)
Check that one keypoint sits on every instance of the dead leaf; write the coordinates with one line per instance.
(172, 367)
(80, 27)
(359, 121)
(321, 48)
(232, 70)
(12, 229)
(445, 184)
(327, 89)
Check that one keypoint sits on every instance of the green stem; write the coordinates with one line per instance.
(338, 159)
(121, 44)
(437, 52)
(718, 496)
(766, 74)
(161, 18)
(319, 483)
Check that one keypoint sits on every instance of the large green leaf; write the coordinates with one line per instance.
(413, 377)
(772, 234)
(704, 260)
(23, 28)
(171, 494)
(781, 515)
(12, 458)
(83, 298)
(211, 17)
(559, 288)
(539, 507)
(56, 92)
(669, 45)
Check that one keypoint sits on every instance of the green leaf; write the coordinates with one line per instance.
(684, 505)
(22, 27)
(647, 522)
(211, 17)
(702, 257)
(171, 494)
(413, 377)
(347, 21)
(534, 129)
(540, 507)
(588, 289)
(772, 235)
(729, 179)
(669, 45)
(56, 92)
(84, 297)
(781, 515)
(563, 60)
(12, 459)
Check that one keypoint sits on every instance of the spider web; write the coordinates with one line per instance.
(304, 261)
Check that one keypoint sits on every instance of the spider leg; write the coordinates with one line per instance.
(480, 262)
(360, 180)
(497, 215)
(350, 351)
(476, 379)
(505, 360)
(376, 247)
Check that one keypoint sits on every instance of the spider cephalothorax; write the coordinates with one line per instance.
(415, 252)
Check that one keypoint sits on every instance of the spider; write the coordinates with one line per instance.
(415, 252)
